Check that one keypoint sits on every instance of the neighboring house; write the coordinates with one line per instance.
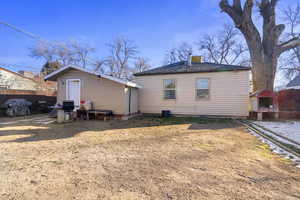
(195, 89)
(105, 92)
(15, 81)
(294, 84)
(24, 81)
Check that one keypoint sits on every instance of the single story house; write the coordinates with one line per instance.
(195, 88)
(24, 82)
(188, 88)
(10, 80)
(105, 92)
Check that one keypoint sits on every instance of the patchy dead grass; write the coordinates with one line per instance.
(143, 158)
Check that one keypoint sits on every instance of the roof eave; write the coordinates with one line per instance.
(191, 72)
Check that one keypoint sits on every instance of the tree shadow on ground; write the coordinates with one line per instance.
(38, 132)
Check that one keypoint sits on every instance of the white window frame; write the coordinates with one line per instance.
(164, 89)
(209, 89)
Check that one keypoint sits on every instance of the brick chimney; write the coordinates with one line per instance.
(197, 59)
(194, 59)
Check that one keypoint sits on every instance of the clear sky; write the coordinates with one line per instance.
(154, 25)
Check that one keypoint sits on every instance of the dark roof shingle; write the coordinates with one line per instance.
(294, 82)
(182, 67)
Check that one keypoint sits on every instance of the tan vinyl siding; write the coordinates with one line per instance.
(229, 94)
(105, 94)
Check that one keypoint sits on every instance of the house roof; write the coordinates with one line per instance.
(182, 67)
(53, 76)
(295, 82)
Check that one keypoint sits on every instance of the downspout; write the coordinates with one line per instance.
(129, 108)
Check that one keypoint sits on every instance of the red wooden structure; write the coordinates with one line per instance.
(264, 102)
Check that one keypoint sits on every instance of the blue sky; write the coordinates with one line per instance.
(154, 25)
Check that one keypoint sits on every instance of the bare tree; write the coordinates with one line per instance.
(63, 54)
(43, 51)
(179, 53)
(81, 52)
(122, 52)
(141, 64)
(99, 65)
(225, 47)
(290, 63)
(66, 53)
(264, 47)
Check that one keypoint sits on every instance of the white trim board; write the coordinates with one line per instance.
(118, 80)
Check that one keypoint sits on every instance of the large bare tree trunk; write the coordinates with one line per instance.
(264, 50)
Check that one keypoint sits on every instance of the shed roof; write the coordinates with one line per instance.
(295, 82)
(53, 76)
(263, 93)
(183, 67)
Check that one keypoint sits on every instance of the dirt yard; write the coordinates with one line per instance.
(143, 158)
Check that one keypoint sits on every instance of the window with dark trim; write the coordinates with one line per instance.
(202, 88)
(169, 89)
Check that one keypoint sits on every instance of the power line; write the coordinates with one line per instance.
(28, 34)
(31, 35)
(35, 37)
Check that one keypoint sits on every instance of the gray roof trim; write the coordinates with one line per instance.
(183, 68)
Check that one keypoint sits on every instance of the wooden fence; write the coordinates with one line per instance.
(289, 100)
(33, 96)
(27, 92)
(289, 104)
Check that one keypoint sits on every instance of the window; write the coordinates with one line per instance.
(202, 88)
(169, 89)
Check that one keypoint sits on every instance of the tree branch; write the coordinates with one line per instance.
(247, 13)
(274, 3)
(288, 45)
(237, 5)
(233, 12)
(278, 30)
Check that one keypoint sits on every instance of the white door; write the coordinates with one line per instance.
(73, 91)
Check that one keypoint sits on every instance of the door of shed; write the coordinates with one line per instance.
(73, 91)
